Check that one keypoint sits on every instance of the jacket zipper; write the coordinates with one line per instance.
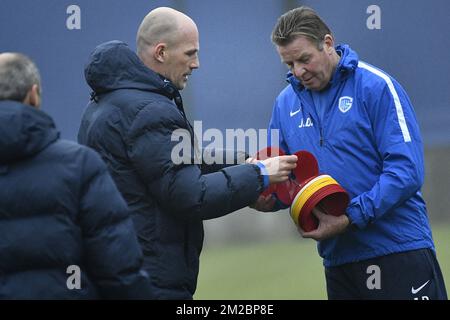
(321, 137)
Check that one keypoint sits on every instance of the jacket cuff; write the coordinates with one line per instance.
(264, 174)
(356, 216)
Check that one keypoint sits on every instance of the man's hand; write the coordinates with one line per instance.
(251, 160)
(329, 226)
(279, 168)
(264, 203)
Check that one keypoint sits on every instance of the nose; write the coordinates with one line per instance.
(299, 71)
(195, 64)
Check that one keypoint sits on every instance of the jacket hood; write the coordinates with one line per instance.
(113, 65)
(24, 131)
(347, 65)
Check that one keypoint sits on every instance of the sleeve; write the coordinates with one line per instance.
(397, 138)
(162, 152)
(112, 255)
(275, 137)
(215, 159)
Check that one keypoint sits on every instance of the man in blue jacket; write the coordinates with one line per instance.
(65, 230)
(360, 125)
(134, 120)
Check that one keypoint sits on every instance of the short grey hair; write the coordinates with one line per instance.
(302, 21)
(17, 75)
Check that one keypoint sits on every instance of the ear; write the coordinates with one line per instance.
(160, 52)
(33, 97)
(329, 43)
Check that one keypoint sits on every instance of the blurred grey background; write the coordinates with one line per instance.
(241, 74)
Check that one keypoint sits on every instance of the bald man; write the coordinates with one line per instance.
(65, 230)
(167, 43)
(134, 120)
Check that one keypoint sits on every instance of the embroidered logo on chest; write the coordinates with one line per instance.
(345, 103)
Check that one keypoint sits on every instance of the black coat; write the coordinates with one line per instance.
(59, 207)
(130, 122)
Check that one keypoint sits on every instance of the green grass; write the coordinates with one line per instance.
(289, 269)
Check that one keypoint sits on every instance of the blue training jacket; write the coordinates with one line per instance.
(368, 140)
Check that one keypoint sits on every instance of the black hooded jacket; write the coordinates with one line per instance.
(132, 121)
(60, 209)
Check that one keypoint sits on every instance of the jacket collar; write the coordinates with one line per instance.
(113, 65)
(24, 131)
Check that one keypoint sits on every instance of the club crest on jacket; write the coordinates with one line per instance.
(345, 103)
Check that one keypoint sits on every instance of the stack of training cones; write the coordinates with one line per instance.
(307, 189)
